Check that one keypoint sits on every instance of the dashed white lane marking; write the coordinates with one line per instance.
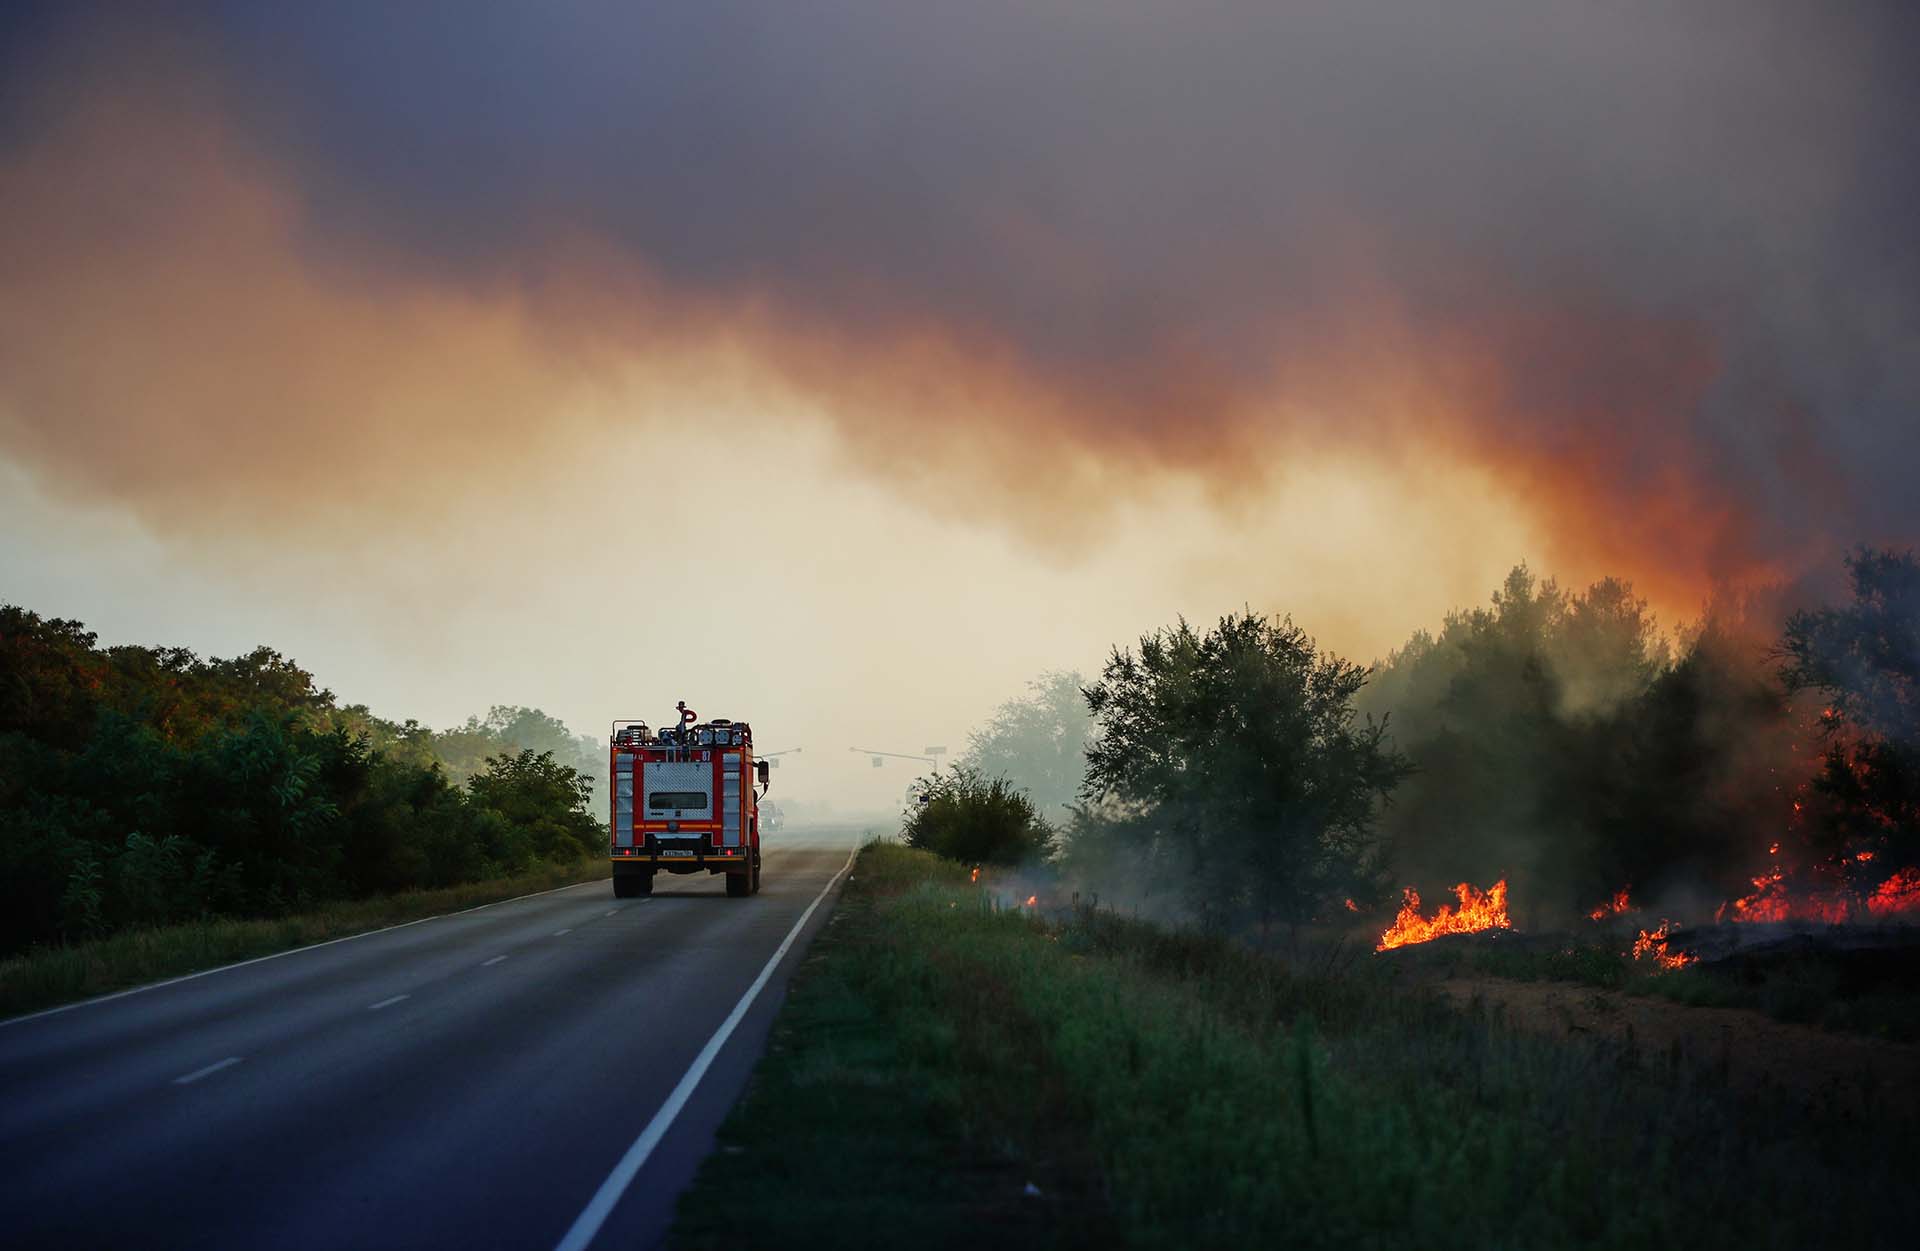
(209, 1071)
(495, 960)
(612, 911)
(385, 1003)
(588, 1223)
(559, 933)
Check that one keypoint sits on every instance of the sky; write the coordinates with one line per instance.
(842, 366)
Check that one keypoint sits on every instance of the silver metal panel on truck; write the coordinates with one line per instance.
(730, 797)
(623, 799)
(677, 790)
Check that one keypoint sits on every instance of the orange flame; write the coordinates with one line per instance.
(1032, 900)
(1653, 946)
(1477, 911)
(1613, 907)
(1352, 906)
(976, 874)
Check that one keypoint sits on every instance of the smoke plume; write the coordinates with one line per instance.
(1652, 266)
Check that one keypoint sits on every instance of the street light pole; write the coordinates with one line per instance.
(893, 755)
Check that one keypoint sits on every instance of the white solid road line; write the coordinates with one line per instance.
(490, 963)
(385, 1003)
(209, 1071)
(588, 1223)
(292, 951)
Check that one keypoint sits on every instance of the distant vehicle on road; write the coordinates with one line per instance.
(684, 802)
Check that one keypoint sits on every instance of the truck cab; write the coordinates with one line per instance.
(684, 802)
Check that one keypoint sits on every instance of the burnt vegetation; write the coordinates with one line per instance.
(145, 786)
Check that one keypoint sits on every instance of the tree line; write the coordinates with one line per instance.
(146, 785)
(1557, 738)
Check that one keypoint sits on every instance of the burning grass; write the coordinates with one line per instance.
(1164, 1088)
(1651, 946)
(1478, 910)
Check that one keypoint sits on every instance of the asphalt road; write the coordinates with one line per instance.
(467, 1081)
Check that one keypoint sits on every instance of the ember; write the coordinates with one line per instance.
(1477, 911)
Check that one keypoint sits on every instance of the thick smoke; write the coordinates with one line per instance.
(1653, 263)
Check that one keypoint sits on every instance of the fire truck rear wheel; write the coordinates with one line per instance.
(756, 873)
(632, 886)
(738, 887)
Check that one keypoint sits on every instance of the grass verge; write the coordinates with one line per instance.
(938, 1054)
(1872, 993)
(49, 976)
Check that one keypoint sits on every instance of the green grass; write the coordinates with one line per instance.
(1160, 1088)
(48, 976)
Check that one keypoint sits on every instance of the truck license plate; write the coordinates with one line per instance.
(676, 853)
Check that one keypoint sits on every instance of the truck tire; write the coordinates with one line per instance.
(738, 887)
(756, 873)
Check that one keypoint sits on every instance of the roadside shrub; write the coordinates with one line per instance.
(144, 787)
(966, 816)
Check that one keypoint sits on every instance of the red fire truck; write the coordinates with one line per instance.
(684, 802)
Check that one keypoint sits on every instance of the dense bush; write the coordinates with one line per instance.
(978, 820)
(141, 786)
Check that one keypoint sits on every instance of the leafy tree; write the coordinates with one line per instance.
(1523, 718)
(144, 785)
(1236, 757)
(50, 677)
(542, 798)
(1038, 742)
(465, 750)
(969, 817)
(1864, 659)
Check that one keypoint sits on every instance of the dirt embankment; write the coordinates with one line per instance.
(1828, 1072)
